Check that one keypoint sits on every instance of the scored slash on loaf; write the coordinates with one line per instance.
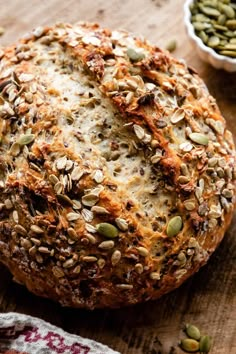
(117, 173)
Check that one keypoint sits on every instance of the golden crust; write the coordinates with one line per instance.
(102, 127)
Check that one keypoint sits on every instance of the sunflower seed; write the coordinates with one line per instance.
(44, 250)
(106, 245)
(89, 259)
(68, 263)
(212, 161)
(138, 268)
(183, 179)
(20, 230)
(72, 233)
(8, 204)
(124, 286)
(101, 263)
(25, 243)
(227, 193)
(15, 216)
(99, 210)
(143, 251)
(36, 229)
(155, 276)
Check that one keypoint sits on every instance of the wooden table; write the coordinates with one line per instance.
(209, 298)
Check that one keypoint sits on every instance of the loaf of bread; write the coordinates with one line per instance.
(117, 173)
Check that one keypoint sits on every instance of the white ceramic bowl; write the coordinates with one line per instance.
(206, 53)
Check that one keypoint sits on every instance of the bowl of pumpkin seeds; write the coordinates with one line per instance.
(211, 26)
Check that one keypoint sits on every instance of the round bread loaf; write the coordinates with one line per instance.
(117, 174)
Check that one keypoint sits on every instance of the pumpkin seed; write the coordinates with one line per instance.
(229, 34)
(107, 230)
(200, 26)
(201, 18)
(134, 55)
(231, 24)
(183, 179)
(213, 41)
(192, 331)
(228, 11)
(228, 53)
(204, 37)
(171, 45)
(199, 138)
(230, 46)
(205, 344)
(189, 345)
(220, 27)
(221, 19)
(174, 226)
(210, 11)
(26, 139)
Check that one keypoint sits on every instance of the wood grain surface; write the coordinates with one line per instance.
(209, 298)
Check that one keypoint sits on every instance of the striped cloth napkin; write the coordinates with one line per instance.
(21, 334)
